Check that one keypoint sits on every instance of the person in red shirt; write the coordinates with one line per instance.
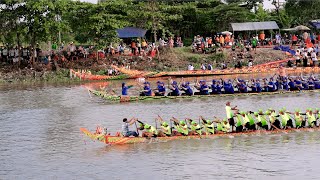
(294, 39)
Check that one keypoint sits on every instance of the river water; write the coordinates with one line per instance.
(40, 139)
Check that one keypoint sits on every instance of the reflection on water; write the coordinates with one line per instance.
(40, 138)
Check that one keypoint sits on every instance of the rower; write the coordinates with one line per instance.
(223, 126)
(219, 87)
(285, 119)
(242, 87)
(245, 120)
(262, 121)
(239, 124)
(228, 87)
(124, 91)
(298, 118)
(274, 122)
(125, 127)
(150, 131)
(311, 84)
(203, 88)
(161, 89)
(253, 86)
(291, 85)
(181, 127)
(175, 89)
(271, 86)
(214, 87)
(258, 86)
(165, 128)
(310, 117)
(186, 88)
(230, 114)
(208, 126)
(195, 128)
(146, 90)
(298, 83)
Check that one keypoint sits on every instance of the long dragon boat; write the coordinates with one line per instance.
(263, 68)
(115, 98)
(118, 140)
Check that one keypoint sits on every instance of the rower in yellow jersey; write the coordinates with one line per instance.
(181, 127)
(150, 131)
(165, 128)
(208, 126)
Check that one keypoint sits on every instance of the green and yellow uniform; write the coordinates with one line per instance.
(298, 119)
(166, 129)
(182, 128)
(150, 129)
(209, 127)
(196, 127)
(311, 118)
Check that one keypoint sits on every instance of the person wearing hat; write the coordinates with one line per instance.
(150, 131)
(286, 121)
(214, 87)
(174, 89)
(204, 88)
(125, 127)
(311, 118)
(298, 118)
(230, 114)
(124, 90)
(195, 128)
(166, 130)
(261, 119)
(181, 127)
(146, 90)
(271, 86)
(239, 124)
(161, 89)
(208, 126)
(185, 86)
(223, 126)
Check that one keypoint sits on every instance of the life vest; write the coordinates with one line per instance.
(166, 130)
(239, 121)
(311, 118)
(284, 119)
(183, 129)
(209, 128)
(298, 119)
(152, 130)
(196, 128)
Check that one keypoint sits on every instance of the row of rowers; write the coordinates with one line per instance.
(237, 122)
(228, 87)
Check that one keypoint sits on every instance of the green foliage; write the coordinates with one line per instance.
(37, 21)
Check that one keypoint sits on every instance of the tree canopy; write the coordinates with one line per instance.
(31, 22)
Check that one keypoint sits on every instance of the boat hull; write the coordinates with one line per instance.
(105, 96)
(115, 140)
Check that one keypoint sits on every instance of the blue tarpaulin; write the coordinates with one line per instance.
(131, 32)
(285, 49)
(315, 23)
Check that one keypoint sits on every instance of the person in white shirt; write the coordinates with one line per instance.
(297, 57)
(190, 67)
(314, 59)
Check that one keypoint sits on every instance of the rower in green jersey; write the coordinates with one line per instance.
(274, 121)
(239, 123)
(262, 120)
(195, 128)
(311, 118)
(245, 119)
(224, 126)
(284, 119)
(150, 131)
(298, 118)
(208, 126)
(165, 128)
(181, 127)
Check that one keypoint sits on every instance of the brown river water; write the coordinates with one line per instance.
(40, 138)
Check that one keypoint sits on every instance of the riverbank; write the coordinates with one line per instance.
(168, 60)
